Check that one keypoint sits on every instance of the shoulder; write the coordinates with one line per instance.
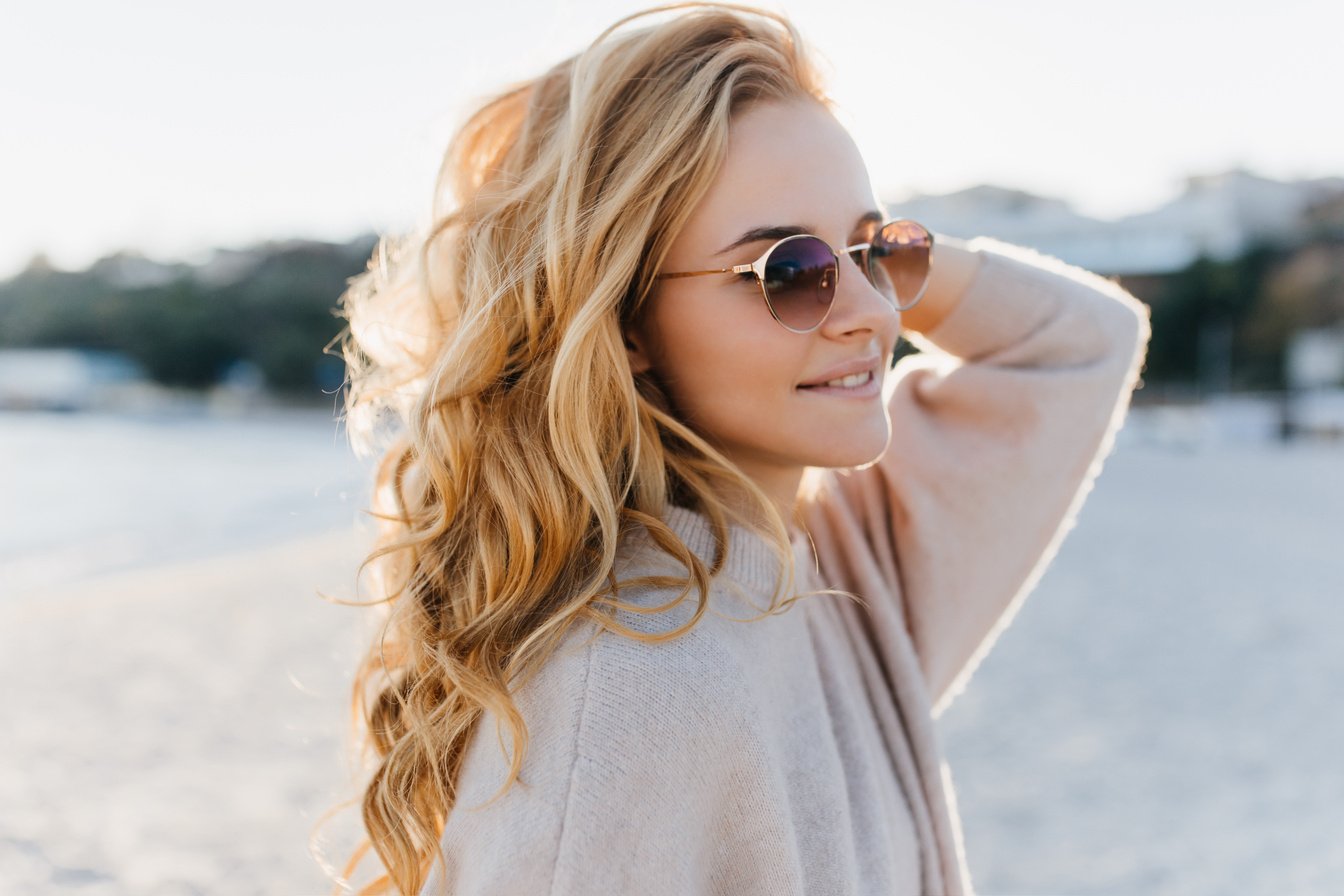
(673, 687)
(633, 745)
(606, 694)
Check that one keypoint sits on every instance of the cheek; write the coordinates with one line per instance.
(725, 366)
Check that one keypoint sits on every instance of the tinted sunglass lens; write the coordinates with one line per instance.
(898, 262)
(800, 281)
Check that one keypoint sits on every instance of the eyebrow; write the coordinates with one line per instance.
(780, 231)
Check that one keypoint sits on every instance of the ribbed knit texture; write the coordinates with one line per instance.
(797, 754)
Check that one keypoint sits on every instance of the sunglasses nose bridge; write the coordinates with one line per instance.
(859, 304)
(858, 256)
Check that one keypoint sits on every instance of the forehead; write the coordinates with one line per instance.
(788, 163)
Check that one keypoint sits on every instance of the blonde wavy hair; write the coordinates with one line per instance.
(487, 366)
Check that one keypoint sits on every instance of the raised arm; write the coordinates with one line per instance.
(1000, 427)
(953, 271)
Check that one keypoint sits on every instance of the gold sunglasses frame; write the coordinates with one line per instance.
(757, 267)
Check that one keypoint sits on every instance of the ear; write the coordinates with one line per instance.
(637, 349)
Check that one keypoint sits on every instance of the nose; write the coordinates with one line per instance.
(859, 308)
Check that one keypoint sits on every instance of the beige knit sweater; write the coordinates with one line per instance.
(797, 754)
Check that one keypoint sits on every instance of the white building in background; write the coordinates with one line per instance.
(1219, 215)
(1314, 404)
(1315, 358)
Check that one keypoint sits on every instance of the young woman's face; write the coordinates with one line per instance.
(732, 372)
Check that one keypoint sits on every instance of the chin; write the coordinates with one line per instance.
(855, 454)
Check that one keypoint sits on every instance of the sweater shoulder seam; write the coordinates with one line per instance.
(573, 767)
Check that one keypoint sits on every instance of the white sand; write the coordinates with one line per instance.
(1162, 718)
(179, 729)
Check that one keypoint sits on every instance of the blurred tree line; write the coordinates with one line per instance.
(1200, 318)
(1226, 325)
(273, 306)
(1220, 324)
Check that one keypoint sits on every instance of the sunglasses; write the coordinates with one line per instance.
(799, 273)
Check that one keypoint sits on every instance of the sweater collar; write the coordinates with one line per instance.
(751, 560)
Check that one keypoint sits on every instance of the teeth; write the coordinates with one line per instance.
(854, 379)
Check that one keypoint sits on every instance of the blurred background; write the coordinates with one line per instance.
(185, 189)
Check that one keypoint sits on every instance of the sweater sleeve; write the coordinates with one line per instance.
(1000, 426)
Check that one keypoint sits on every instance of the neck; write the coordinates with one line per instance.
(780, 487)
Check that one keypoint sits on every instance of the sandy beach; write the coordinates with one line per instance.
(180, 728)
(1162, 717)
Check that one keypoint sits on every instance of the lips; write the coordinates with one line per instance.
(840, 371)
(853, 381)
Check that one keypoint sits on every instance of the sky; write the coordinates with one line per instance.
(171, 128)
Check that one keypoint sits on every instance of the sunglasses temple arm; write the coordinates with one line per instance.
(695, 273)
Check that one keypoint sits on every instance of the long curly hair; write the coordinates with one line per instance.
(488, 370)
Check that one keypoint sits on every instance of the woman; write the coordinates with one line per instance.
(678, 567)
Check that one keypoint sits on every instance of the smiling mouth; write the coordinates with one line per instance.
(853, 381)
